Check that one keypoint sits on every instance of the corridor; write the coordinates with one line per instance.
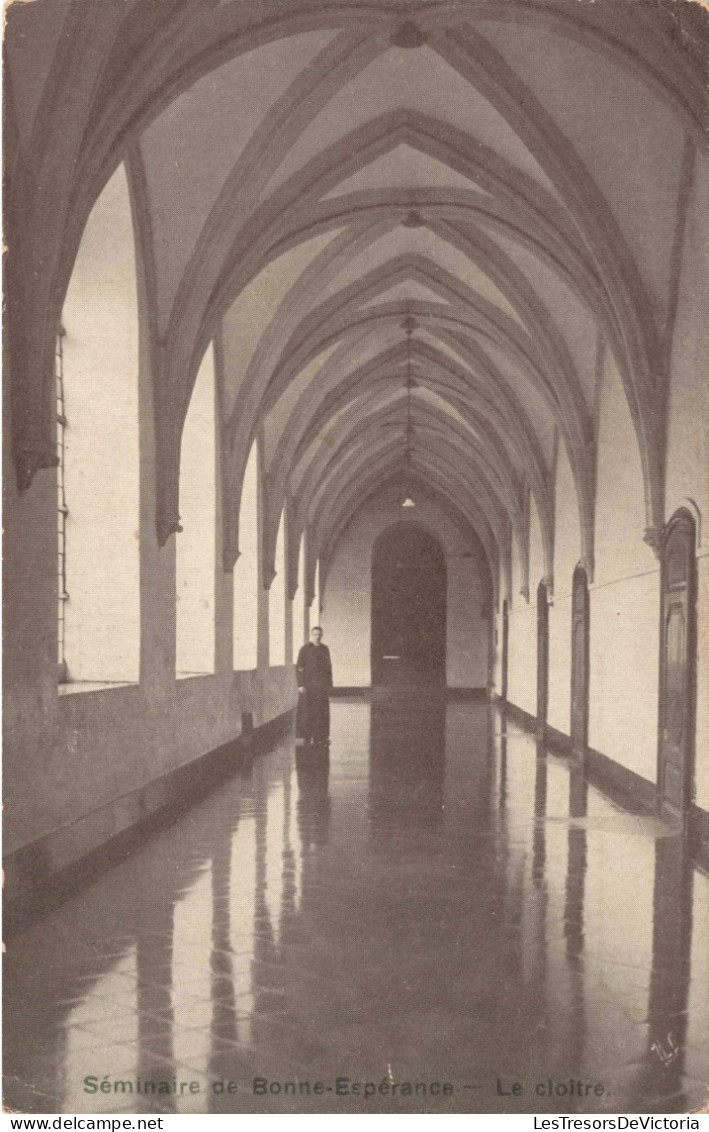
(446, 908)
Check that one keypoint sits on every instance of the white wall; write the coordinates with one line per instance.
(196, 544)
(246, 579)
(100, 347)
(346, 616)
(625, 597)
(624, 601)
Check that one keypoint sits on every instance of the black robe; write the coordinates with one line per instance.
(314, 674)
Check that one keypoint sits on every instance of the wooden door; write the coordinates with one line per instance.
(678, 632)
(580, 626)
(408, 608)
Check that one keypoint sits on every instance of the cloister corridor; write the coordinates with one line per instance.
(355, 377)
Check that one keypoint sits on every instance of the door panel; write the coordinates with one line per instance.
(408, 608)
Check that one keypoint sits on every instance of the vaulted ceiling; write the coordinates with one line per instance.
(481, 195)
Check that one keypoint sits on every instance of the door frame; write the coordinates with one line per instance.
(682, 520)
(389, 534)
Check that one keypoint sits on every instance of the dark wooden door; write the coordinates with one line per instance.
(408, 608)
(542, 655)
(580, 626)
(677, 666)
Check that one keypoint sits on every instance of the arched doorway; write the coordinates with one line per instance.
(542, 655)
(580, 627)
(408, 608)
(678, 665)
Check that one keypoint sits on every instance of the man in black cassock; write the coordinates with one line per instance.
(314, 674)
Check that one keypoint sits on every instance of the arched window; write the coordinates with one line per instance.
(277, 603)
(316, 607)
(300, 633)
(246, 571)
(98, 475)
(196, 544)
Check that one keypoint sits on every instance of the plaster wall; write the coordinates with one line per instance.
(347, 596)
(112, 742)
(625, 596)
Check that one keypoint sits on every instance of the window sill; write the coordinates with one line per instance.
(77, 686)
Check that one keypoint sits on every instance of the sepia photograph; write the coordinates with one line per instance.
(356, 558)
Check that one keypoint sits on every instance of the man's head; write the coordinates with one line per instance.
(316, 634)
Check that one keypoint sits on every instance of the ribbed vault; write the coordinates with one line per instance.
(310, 179)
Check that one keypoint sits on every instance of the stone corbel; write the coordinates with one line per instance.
(588, 565)
(29, 460)
(653, 537)
(230, 554)
(168, 525)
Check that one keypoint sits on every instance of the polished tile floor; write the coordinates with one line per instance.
(442, 916)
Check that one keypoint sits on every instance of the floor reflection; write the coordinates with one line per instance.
(407, 762)
(438, 899)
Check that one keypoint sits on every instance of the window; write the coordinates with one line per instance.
(246, 580)
(97, 438)
(196, 543)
